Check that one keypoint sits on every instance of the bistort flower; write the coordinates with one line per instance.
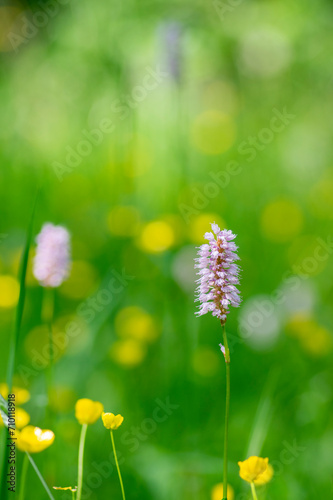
(88, 411)
(112, 421)
(52, 260)
(256, 470)
(33, 439)
(218, 274)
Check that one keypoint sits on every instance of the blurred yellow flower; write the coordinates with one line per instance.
(22, 418)
(213, 132)
(124, 221)
(136, 323)
(217, 492)
(157, 236)
(138, 159)
(256, 470)
(21, 395)
(206, 362)
(281, 220)
(62, 398)
(88, 411)
(265, 477)
(314, 338)
(82, 280)
(9, 291)
(112, 421)
(128, 353)
(33, 439)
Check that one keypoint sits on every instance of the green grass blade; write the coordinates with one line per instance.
(14, 342)
(49, 494)
(20, 306)
(263, 417)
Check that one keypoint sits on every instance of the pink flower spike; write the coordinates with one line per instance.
(218, 274)
(52, 261)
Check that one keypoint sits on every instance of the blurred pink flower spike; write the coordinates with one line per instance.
(52, 261)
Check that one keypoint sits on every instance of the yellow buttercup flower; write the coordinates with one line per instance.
(111, 421)
(22, 418)
(265, 477)
(33, 439)
(217, 492)
(256, 470)
(88, 411)
(21, 395)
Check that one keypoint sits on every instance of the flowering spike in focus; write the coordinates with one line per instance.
(218, 274)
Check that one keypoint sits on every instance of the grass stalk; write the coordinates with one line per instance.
(227, 410)
(80, 460)
(117, 465)
(25, 466)
(49, 494)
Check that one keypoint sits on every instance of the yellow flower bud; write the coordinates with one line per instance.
(256, 470)
(88, 411)
(33, 439)
(112, 421)
(21, 395)
(22, 418)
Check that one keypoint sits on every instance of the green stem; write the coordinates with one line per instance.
(80, 461)
(24, 476)
(117, 465)
(40, 476)
(48, 317)
(227, 407)
(254, 493)
(73, 495)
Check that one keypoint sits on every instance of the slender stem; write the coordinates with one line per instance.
(48, 317)
(117, 465)
(73, 495)
(40, 476)
(23, 476)
(227, 407)
(80, 461)
(254, 493)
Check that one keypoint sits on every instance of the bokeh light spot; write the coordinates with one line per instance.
(9, 291)
(213, 132)
(303, 256)
(128, 353)
(10, 38)
(157, 236)
(124, 221)
(81, 282)
(217, 492)
(205, 362)
(136, 323)
(281, 220)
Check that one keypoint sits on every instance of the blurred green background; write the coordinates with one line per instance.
(143, 122)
